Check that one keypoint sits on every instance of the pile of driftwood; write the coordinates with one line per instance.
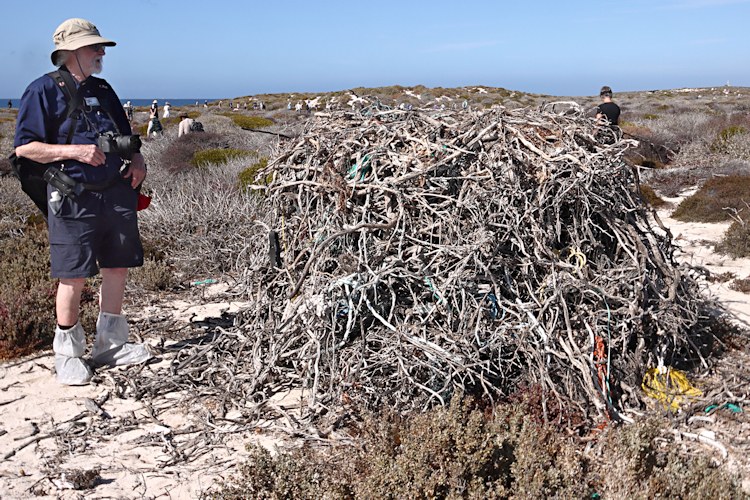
(403, 257)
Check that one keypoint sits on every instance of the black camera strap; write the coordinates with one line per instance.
(68, 85)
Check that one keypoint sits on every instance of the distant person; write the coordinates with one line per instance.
(167, 107)
(154, 110)
(607, 109)
(186, 124)
(289, 105)
(154, 125)
(129, 110)
(10, 104)
(205, 104)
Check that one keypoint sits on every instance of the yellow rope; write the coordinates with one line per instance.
(578, 257)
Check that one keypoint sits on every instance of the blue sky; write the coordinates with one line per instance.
(196, 49)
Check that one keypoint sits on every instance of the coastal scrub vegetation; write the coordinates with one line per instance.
(471, 450)
(218, 156)
(649, 196)
(251, 122)
(179, 154)
(736, 240)
(714, 200)
(27, 295)
(247, 177)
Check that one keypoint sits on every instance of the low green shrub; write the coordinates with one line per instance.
(650, 116)
(245, 121)
(741, 285)
(218, 156)
(460, 451)
(469, 450)
(736, 241)
(730, 132)
(649, 196)
(154, 275)
(725, 136)
(27, 295)
(247, 176)
(178, 155)
(709, 202)
(153, 250)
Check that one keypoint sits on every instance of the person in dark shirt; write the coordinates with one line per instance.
(96, 231)
(607, 109)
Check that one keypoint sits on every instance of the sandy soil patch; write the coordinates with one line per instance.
(43, 427)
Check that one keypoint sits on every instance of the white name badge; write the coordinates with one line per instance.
(91, 101)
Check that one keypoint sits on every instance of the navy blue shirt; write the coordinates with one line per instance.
(43, 107)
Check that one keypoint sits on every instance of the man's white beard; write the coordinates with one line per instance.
(98, 66)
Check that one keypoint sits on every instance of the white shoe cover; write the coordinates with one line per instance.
(69, 346)
(111, 346)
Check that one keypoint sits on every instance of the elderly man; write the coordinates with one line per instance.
(92, 219)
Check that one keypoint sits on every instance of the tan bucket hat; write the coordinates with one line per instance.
(76, 33)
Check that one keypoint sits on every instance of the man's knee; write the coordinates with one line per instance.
(114, 272)
(77, 283)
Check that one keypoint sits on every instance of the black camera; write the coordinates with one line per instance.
(125, 146)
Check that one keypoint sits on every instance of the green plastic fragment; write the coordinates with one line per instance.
(729, 406)
(204, 282)
(733, 408)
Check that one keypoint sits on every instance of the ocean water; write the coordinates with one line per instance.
(135, 102)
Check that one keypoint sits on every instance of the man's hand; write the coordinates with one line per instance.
(137, 171)
(89, 153)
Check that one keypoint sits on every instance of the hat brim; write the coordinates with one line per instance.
(82, 42)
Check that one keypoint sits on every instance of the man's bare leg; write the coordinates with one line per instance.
(68, 302)
(113, 289)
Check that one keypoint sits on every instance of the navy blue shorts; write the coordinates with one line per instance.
(99, 229)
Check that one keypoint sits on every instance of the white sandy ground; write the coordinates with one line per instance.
(695, 242)
(31, 400)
